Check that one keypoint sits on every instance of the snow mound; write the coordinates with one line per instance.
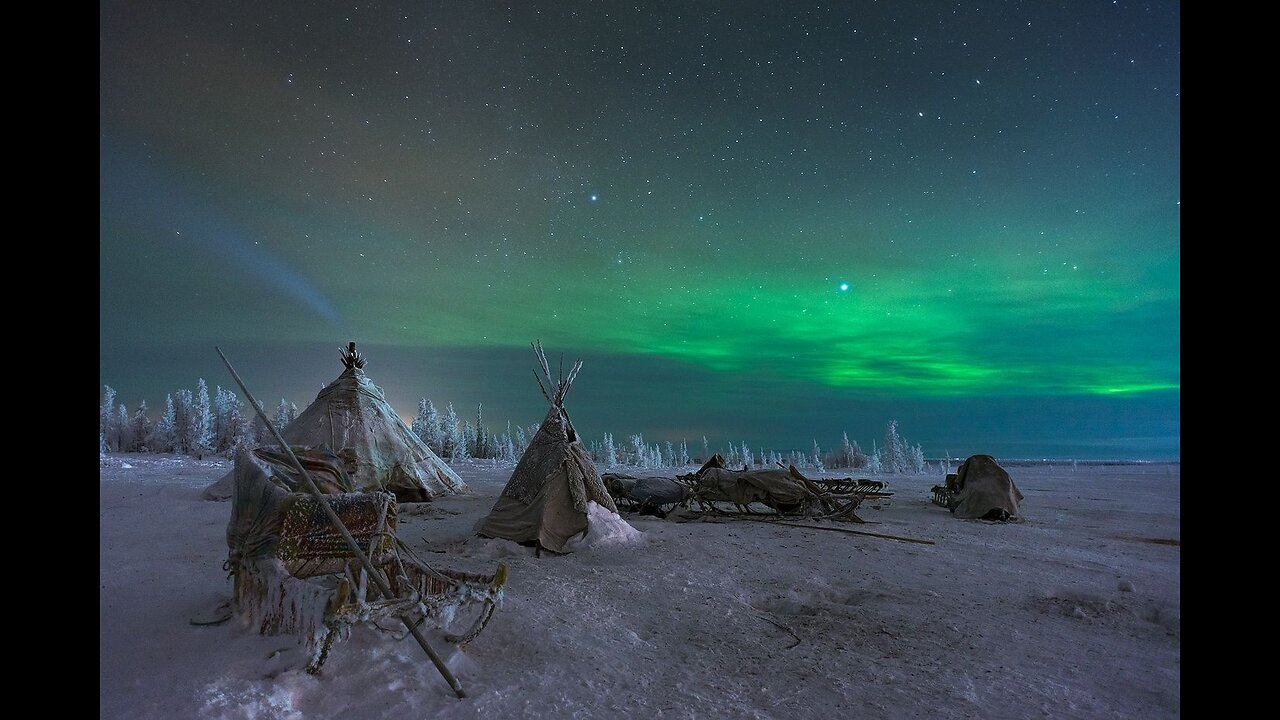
(604, 528)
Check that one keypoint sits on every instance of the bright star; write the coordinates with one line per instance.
(844, 287)
(594, 198)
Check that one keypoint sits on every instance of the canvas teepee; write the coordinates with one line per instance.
(352, 418)
(546, 500)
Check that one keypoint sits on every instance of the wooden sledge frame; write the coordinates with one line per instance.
(836, 499)
(311, 549)
(373, 571)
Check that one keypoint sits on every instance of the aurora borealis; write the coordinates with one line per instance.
(754, 221)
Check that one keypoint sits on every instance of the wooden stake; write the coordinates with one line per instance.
(859, 532)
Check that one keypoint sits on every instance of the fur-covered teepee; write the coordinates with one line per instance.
(546, 500)
(351, 416)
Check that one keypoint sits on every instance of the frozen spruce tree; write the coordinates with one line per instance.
(895, 450)
(256, 432)
(875, 461)
(165, 436)
(202, 420)
(506, 447)
(107, 418)
(453, 445)
(124, 429)
(917, 462)
(482, 445)
(426, 425)
(283, 416)
(228, 422)
(469, 445)
(610, 453)
(184, 429)
(141, 427)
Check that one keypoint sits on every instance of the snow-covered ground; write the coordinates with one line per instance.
(1074, 612)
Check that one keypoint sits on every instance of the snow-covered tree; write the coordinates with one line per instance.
(895, 450)
(506, 446)
(123, 428)
(184, 429)
(683, 458)
(165, 436)
(286, 412)
(706, 450)
(916, 459)
(427, 426)
(482, 445)
(141, 428)
(469, 435)
(257, 432)
(451, 430)
(875, 461)
(609, 454)
(229, 426)
(107, 418)
(201, 420)
(521, 441)
(850, 455)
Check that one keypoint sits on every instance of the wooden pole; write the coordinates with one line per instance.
(368, 565)
(859, 532)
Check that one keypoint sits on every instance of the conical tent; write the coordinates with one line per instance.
(353, 418)
(545, 501)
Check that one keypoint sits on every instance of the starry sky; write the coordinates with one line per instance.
(767, 222)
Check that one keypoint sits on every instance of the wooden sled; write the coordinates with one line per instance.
(945, 495)
(314, 585)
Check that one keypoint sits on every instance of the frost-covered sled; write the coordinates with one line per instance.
(294, 572)
(646, 495)
(784, 491)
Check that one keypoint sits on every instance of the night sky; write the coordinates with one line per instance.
(756, 221)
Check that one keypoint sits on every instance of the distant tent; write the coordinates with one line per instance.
(352, 417)
(984, 490)
(546, 500)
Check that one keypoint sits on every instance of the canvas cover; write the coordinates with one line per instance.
(776, 488)
(984, 489)
(379, 451)
(545, 501)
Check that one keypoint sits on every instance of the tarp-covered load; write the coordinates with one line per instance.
(785, 491)
(982, 489)
(351, 416)
(545, 501)
(652, 495)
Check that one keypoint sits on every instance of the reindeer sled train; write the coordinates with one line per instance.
(718, 490)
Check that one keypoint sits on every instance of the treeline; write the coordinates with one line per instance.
(194, 423)
(895, 456)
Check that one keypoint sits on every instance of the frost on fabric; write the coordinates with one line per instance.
(274, 602)
(604, 528)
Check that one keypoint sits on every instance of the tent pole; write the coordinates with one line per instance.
(368, 565)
